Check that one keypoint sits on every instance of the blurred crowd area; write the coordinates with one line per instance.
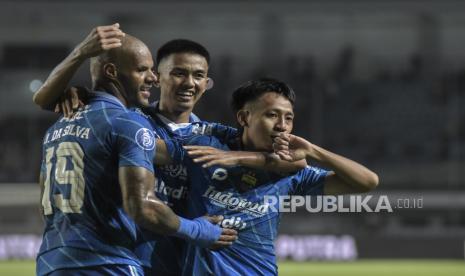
(407, 124)
(381, 82)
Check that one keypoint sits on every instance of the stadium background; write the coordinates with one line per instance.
(380, 81)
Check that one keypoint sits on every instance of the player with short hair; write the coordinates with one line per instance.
(97, 168)
(264, 110)
(182, 76)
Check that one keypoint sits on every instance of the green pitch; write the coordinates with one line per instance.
(358, 268)
(375, 268)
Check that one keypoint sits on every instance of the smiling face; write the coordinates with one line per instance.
(135, 75)
(182, 78)
(263, 119)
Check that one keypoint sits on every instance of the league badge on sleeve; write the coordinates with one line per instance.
(145, 139)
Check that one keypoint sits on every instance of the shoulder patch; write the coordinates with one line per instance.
(145, 139)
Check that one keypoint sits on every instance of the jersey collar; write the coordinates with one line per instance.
(107, 97)
(170, 124)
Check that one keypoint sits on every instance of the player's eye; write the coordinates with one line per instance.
(199, 76)
(272, 115)
(178, 73)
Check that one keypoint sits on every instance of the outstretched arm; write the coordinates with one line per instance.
(259, 160)
(100, 39)
(347, 176)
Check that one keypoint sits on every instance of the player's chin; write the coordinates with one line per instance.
(184, 106)
(143, 102)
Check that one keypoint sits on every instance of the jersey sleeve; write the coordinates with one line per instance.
(175, 150)
(203, 140)
(223, 133)
(135, 140)
(309, 181)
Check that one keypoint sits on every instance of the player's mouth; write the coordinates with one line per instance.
(185, 96)
(145, 91)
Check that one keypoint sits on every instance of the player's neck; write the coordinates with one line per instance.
(175, 117)
(246, 144)
(112, 91)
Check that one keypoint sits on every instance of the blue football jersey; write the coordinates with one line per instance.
(238, 194)
(163, 255)
(85, 224)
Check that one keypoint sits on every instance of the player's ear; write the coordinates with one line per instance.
(242, 117)
(210, 83)
(110, 71)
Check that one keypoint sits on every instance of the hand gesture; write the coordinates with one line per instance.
(291, 147)
(100, 39)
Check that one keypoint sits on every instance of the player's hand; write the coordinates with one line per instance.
(297, 148)
(100, 39)
(228, 236)
(70, 101)
(281, 143)
(212, 156)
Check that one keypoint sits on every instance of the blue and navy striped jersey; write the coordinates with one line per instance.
(85, 224)
(238, 194)
(163, 254)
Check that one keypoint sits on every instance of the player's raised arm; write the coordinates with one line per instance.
(100, 39)
(347, 176)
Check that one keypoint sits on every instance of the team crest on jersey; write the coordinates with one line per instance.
(145, 139)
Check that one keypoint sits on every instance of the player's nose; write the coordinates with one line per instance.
(281, 125)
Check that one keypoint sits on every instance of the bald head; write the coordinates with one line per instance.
(131, 49)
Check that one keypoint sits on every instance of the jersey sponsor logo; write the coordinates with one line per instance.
(233, 223)
(145, 139)
(179, 193)
(235, 203)
(220, 174)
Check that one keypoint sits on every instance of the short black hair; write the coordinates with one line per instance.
(181, 46)
(252, 90)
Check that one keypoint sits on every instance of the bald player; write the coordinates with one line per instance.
(97, 177)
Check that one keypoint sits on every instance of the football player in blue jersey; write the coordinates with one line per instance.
(264, 110)
(97, 170)
(182, 77)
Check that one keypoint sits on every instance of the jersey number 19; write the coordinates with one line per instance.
(69, 167)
